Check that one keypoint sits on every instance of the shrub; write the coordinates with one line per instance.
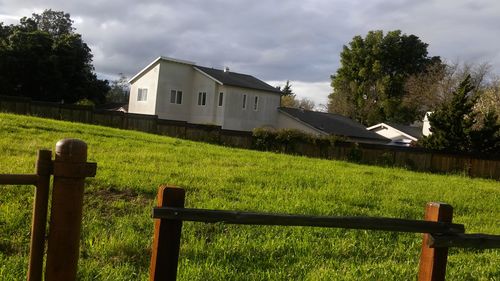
(287, 140)
(386, 159)
(355, 154)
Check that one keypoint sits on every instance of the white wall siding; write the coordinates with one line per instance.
(204, 114)
(237, 118)
(219, 110)
(147, 81)
(179, 77)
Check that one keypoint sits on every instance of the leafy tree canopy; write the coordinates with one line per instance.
(289, 99)
(369, 85)
(119, 90)
(44, 59)
(455, 126)
(428, 90)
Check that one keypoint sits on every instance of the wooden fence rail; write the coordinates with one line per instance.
(69, 170)
(439, 231)
(41, 181)
(367, 223)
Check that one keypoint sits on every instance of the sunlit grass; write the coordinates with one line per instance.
(117, 225)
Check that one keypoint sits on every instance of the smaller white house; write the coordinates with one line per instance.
(180, 90)
(400, 135)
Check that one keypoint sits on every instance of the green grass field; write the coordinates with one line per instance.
(118, 228)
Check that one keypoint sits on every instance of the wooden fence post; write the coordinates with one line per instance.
(167, 237)
(70, 170)
(39, 219)
(433, 260)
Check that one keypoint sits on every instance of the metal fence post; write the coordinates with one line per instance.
(70, 170)
(167, 237)
(433, 260)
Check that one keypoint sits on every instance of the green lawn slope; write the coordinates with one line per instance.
(118, 228)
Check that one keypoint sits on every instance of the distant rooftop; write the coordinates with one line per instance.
(413, 131)
(333, 124)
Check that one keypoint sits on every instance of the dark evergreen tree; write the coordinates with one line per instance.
(287, 89)
(288, 98)
(487, 138)
(452, 123)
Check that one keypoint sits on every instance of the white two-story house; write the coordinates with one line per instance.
(181, 90)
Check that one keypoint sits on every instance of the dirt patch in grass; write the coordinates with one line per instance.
(115, 194)
(112, 202)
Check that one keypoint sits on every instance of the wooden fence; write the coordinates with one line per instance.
(70, 168)
(439, 231)
(484, 166)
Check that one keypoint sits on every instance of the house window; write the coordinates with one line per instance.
(179, 97)
(221, 98)
(176, 97)
(244, 101)
(142, 94)
(202, 98)
(173, 93)
(256, 103)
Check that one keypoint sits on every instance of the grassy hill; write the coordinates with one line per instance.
(117, 225)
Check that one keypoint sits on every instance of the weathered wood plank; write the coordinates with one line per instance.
(18, 179)
(39, 217)
(167, 237)
(369, 223)
(433, 261)
(476, 241)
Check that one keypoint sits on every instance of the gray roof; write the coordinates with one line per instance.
(413, 131)
(226, 78)
(333, 124)
(238, 79)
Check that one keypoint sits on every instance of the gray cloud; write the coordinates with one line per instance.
(273, 40)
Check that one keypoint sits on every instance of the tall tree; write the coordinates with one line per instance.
(306, 104)
(287, 89)
(489, 100)
(44, 59)
(369, 85)
(452, 123)
(486, 139)
(289, 99)
(119, 90)
(288, 96)
(428, 90)
(56, 23)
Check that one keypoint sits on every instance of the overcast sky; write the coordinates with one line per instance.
(272, 40)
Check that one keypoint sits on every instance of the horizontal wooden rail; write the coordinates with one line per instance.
(368, 223)
(18, 179)
(476, 241)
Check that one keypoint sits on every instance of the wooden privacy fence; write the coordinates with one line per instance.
(483, 166)
(69, 169)
(439, 231)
